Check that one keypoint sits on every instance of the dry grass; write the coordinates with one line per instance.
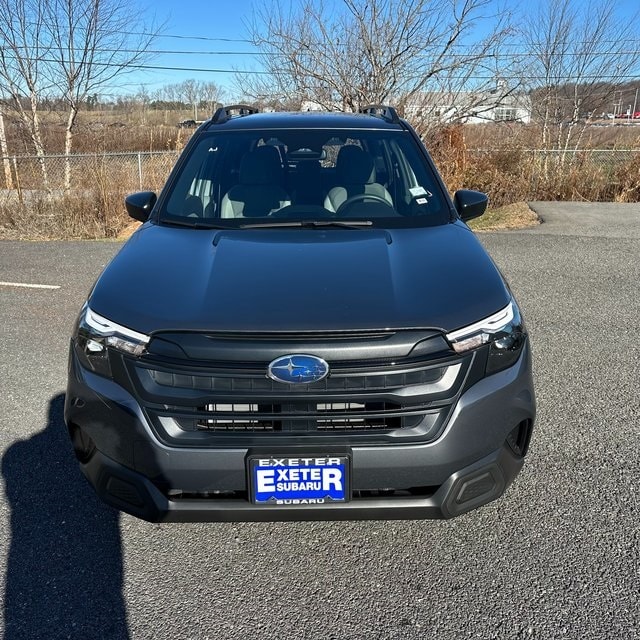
(512, 216)
(509, 172)
(128, 230)
(107, 132)
(498, 135)
(87, 216)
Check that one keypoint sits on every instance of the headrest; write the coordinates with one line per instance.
(261, 166)
(354, 166)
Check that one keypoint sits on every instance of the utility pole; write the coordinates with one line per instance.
(617, 105)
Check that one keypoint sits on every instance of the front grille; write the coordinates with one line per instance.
(210, 404)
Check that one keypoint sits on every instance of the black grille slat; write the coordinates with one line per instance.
(336, 382)
(396, 412)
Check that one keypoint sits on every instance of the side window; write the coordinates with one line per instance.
(193, 194)
(416, 195)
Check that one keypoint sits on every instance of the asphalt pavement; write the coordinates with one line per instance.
(557, 557)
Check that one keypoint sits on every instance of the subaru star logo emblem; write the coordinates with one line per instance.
(298, 369)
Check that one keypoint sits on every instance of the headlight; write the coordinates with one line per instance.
(503, 330)
(95, 333)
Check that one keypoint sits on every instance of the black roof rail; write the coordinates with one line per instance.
(234, 110)
(382, 111)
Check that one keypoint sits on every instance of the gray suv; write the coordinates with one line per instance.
(304, 328)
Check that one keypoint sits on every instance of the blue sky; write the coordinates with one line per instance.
(209, 36)
(210, 33)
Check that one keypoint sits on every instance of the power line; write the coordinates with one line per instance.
(494, 56)
(141, 66)
(632, 41)
(252, 72)
(172, 36)
(185, 37)
(143, 51)
(492, 77)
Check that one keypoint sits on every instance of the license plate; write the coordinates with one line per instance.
(304, 480)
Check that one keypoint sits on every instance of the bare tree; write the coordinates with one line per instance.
(577, 55)
(195, 94)
(189, 92)
(210, 94)
(168, 94)
(143, 98)
(67, 48)
(343, 55)
(91, 42)
(23, 52)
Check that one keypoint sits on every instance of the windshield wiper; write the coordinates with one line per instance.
(309, 224)
(195, 224)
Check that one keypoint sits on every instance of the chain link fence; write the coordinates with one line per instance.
(609, 160)
(75, 196)
(81, 196)
(137, 171)
(141, 171)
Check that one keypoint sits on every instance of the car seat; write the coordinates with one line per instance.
(258, 192)
(355, 174)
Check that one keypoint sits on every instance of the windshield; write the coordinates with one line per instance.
(260, 178)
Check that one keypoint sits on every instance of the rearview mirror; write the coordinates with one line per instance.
(139, 205)
(307, 154)
(470, 204)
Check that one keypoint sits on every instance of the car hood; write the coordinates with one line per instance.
(290, 280)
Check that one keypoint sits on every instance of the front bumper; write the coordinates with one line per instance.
(463, 491)
(468, 465)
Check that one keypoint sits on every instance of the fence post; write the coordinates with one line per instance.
(140, 169)
(18, 185)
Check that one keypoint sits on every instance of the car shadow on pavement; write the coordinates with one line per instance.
(64, 567)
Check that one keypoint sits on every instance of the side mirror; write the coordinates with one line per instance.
(470, 204)
(139, 205)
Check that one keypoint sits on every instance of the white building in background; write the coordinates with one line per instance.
(471, 107)
(466, 107)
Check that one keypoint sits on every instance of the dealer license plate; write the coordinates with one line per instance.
(304, 480)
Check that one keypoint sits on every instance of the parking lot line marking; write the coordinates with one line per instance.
(29, 286)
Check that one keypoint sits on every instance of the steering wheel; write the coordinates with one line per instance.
(361, 197)
(285, 212)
